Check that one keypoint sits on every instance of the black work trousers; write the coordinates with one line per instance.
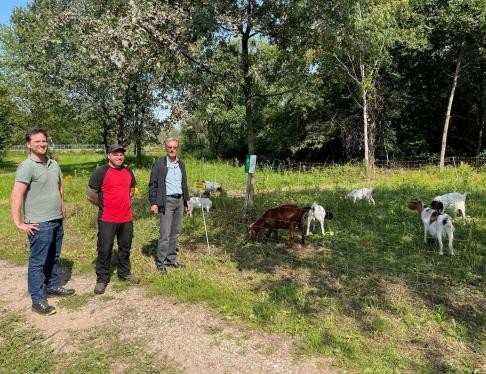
(106, 238)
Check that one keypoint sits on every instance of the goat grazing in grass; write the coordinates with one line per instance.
(282, 217)
(317, 213)
(199, 202)
(437, 225)
(209, 188)
(361, 194)
(452, 202)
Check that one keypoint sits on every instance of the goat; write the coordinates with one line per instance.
(452, 202)
(282, 217)
(360, 194)
(437, 225)
(317, 213)
(199, 202)
(209, 188)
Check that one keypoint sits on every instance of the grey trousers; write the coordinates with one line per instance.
(170, 228)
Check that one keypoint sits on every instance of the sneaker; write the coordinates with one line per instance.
(130, 278)
(43, 308)
(60, 291)
(100, 288)
(176, 265)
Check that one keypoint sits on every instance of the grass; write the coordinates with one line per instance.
(369, 293)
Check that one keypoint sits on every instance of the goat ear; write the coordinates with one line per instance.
(438, 206)
(329, 215)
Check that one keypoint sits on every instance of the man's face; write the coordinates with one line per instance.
(38, 144)
(172, 149)
(116, 159)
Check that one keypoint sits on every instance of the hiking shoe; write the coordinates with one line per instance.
(60, 291)
(43, 308)
(130, 278)
(100, 288)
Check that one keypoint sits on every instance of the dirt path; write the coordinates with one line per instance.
(192, 338)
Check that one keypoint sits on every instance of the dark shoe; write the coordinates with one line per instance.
(176, 265)
(130, 278)
(60, 291)
(163, 271)
(100, 288)
(43, 308)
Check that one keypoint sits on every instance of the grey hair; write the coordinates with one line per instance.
(168, 140)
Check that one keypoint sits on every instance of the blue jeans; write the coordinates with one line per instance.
(45, 249)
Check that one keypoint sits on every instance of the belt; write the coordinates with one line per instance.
(175, 196)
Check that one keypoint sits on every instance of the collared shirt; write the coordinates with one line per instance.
(42, 200)
(173, 180)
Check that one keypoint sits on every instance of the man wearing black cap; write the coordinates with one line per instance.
(111, 187)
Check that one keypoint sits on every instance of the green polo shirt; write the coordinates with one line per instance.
(42, 200)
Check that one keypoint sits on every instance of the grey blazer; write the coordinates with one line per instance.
(157, 189)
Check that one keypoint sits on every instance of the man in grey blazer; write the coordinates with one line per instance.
(169, 198)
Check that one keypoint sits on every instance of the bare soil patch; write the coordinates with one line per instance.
(192, 338)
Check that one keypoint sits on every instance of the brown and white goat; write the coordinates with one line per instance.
(282, 217)
(437, 225)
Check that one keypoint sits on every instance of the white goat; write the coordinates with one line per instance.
(452, 202)
(199, 202)
(317, 213)
(360, 194)
(437, 225)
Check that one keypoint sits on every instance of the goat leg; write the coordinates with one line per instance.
(292, 234)
(451, 238)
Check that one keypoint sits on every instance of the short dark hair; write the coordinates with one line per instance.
(35, 130)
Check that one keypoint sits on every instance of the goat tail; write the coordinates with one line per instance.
(329, 215)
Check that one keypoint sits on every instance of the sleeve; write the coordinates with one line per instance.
(134, 181)
(153, 183)
(58, 169)
(96, 179)
(23, 173)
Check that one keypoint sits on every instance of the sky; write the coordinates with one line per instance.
(7, 6)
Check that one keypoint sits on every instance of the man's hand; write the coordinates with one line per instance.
(186, 208)
(29, 228)
(154, 209)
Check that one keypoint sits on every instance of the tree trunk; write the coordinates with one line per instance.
(480, 117)
(449, 108)
(138, 137)
(364, 94)
(245, 59)
(104, 134)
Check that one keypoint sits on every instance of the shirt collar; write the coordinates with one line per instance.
(48, 161)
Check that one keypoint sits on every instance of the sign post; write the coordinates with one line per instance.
(250, 166)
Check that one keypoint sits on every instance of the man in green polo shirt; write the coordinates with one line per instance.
(39, 194)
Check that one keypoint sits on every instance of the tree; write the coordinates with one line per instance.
(464, 24)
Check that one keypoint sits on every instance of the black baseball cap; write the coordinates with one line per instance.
(114, 147)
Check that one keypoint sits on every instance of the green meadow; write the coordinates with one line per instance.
(369, 293)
